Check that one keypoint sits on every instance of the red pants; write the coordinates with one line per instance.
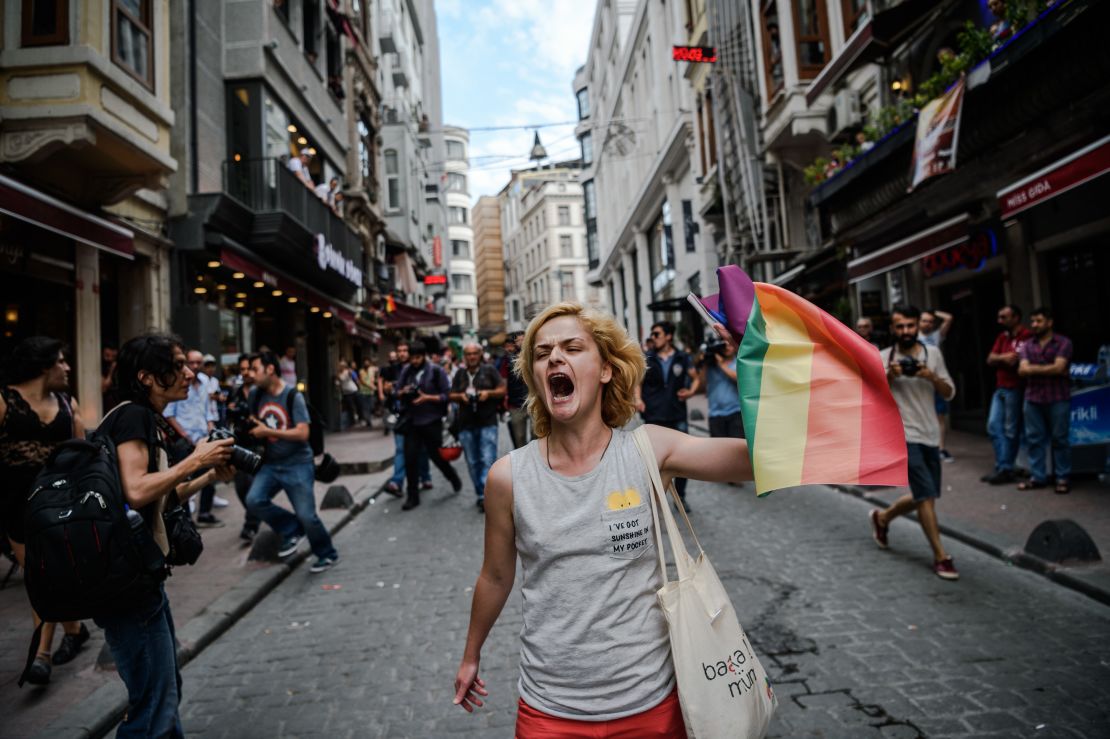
(662, 722)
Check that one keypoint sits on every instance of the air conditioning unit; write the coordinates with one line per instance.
(843, 114)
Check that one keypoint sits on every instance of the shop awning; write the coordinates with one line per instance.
(670, 305)
(39, 209)
(921, 244)
(289, 286)
(1057, 178)
(408, 316)
(877, 36)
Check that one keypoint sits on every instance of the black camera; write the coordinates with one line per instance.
(717, 347)
(909, 366)
(242, 459)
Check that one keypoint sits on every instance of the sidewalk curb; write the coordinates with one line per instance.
(99, 713)
(1016, 557)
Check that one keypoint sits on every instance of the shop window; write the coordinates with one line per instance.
(45, 23)
(811, 32)
(566, 246)
(392, 180)
(855, 15)
(456, 150)
(772, 48)
(564, 215)
(132, 39)
(460, 249)
(456, 182)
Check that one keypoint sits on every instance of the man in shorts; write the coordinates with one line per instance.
(916, 373)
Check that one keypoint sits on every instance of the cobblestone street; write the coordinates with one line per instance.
(860, 642)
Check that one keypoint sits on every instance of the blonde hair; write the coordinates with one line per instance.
(617, 349)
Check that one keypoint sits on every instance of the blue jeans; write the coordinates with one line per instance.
(296, 479)
(398, 478)
(1004, 426)
(143, 647)
(480, 447)
(1045, 423)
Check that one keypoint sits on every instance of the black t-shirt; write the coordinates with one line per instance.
(477, 413)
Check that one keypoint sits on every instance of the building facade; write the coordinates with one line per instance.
(265, 255)
(646, 241)
(489, 265)
(85, 120)
(462, 296)
(544, 235)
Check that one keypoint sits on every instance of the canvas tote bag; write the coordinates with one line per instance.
(723, 689)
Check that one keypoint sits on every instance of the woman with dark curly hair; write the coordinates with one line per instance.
(150, 373)
(36, 415)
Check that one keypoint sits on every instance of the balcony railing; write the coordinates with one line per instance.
(267, 186)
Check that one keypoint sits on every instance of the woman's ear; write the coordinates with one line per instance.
(146, 379)
(606, 373)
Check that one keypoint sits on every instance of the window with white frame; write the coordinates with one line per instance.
(460, 249)
(133, 39)
(456, 182)
(564, 215)
(566, 246)
(457, 215)
(455, 150)
(392, 180)
(462, 283)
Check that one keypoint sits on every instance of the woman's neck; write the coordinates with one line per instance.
(576, 449)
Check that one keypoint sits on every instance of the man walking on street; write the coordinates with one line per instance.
(424, 390)
(1047, 409)
(478, 389)
(367, 389)
(916, 374)
(283, 420)
(1004, 420)
(388, 389)
(193, 418)
(670, 379)
(516, 391)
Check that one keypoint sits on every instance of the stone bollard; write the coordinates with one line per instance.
(265, 546)
(338, 496)
(1056, 541)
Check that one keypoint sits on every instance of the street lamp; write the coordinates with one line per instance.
(538, 152)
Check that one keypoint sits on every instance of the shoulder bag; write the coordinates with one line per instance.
(723, 689)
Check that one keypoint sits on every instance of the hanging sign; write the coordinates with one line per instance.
(938, 128)
(694, 54)
(328, 257)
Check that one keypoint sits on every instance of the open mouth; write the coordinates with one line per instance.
(562, 387)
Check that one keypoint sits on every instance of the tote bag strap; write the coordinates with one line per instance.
(683, 563)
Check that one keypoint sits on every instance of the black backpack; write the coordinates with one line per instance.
(84, 558)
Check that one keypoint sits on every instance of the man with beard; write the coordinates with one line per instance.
(387, 395)
(1004, 420)
(239, 410)
(424, 390)
(1047, 410)
(916, 373)
(478, 389)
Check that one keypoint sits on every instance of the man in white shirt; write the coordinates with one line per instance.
(298, 165)
(289, 366)
(916, 374)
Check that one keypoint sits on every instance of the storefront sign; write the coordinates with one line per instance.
(328, 257)
(435, 279)
(437, 253)
(1090, 416)
(921, 244)
(970, 255)
(10, 253)
(1071, 171)
(269, 278)
(694, 54)
(938, 128)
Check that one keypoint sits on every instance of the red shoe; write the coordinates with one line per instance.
(878, 531)
(946, 569)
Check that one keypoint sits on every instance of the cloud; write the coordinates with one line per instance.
(512, 63)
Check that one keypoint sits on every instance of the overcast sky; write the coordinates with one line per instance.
(511, 62)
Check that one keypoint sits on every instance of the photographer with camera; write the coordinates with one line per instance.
(151, 372)
(718, 377)
(478, 389)
(193, 417)
(916, 373)
(281, 419)
(238, 418)
(423, 392)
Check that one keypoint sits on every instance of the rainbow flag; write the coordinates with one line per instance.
(814, 395)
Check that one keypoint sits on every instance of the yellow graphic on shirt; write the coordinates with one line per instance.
(629, 498)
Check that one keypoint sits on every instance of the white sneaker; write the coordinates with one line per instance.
(219, 502)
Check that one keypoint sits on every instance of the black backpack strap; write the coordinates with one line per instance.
(290, 400)
(32, 652)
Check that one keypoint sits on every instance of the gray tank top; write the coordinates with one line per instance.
(594, 643)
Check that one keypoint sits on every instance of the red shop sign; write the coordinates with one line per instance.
(970, 255)
(1071, 171)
